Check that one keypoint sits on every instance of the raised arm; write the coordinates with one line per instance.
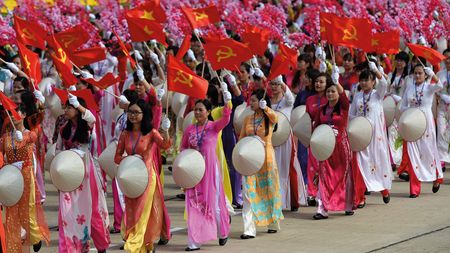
(120, 148)
(225, 119)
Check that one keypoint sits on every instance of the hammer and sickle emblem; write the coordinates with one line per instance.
(200, 15)
(350, 34)
(62, 54)
(27, 62)
(67, 40)
(148, 31)
(375, 42)
(183, 78)
(224, 54)
(27, 34)
(148, 15)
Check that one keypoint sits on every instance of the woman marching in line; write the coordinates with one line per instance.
(207, 214)
(443, 118)
(83, 213)
(372, 168)
(335, 174)
(143, 220)
(421, 158)
(25, 221)
(261, 192)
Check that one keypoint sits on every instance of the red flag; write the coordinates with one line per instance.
(202, 16)
(65, 73)
(106, 81)
(72, 38)
(151, 11)
(125, 50)
(285, 59)
(143, 30)
(386, 42)
(431, 55)
(29, 33)
(31, 64)
(85, 94)
(87, 56)
(256, 39)
(184, 47)
(9, 105)
(326, 25)
(352, 32)
(183, 80)
(226, 53)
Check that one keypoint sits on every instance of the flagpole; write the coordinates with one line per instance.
(10, 119)
(112, 94)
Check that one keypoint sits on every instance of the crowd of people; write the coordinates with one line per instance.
(335, 84)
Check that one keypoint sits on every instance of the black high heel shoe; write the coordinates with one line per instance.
(37, 246)
(189, 249)
(245, 237)
(223, 241)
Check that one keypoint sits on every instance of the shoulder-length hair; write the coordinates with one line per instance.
(82, 131)
(147, 117)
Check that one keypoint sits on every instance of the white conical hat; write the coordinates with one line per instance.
(249, 155)
(412, 124)
(116, 112)
(188, 120)
(322, 142)
(11, 185)
(67, 171)
(297, 113)
(106, 160)
(178, 100)
(132, 176)
(237, 113)
(46, 84)
(303, 129)
(54, 103)
(49, 155)
(359, 132)
(398, 113)
(280, 136)
(240, 119)
(188, 168)
(389, 110)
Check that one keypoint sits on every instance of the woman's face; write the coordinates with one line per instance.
(140, 89)
(17, 86)
(254, 103)
(17, 62)
(419, 75)
(332, 94)
(320, 84)
(276, 88)
(244, 76)
(348, 65)
(134, 114)
(400, 64)
(200, 112)
(302, 65)
(81, 86)
(17, 98)
(70, 112)
(190, 63)
(306, 81)
(366, 84)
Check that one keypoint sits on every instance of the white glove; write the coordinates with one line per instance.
(224, 86)
(323, 67)
(18, 135)
(429, 71)
(336, 132)
(259, 73)
(160, 94)
(335, 74)
(138, 55)
(372, 66)
(320, 54)
(262, 104)
(335, 69)
(254, 62)
(12, 67)
(231, 80)
(8, 73)
(381, 69)
(153, 43)
(91, 16)
(123, 100)
(154, 58)
(227, 97)
(165, 124)
(72, 88)
(251, 72)
(190, 54)
(38, 95)
(85, 74)
(74, 101)
(140, 74)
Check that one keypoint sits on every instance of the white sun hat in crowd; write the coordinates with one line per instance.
(106, 160)
(302, 125)
(412, 124)
(249, 155)
(281, 135)
(389, 106)
(188, 120)
(11, 185)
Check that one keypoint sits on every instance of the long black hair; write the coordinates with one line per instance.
(403, 56)
(82, 133)
(27, 98)
(147, 117)
(259, 93)
(337, 106)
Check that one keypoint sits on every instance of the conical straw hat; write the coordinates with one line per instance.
(303, 129)
(49, 155)
(55, 105)
(297, 113)
(241, 117)
(67, 171)
(132, 176)
(188, 168)
(11, 185)
(280, 136)
(178, 100)
(322, 142)
(389, 110)
(237, 112)
(359, 132)
(249, 155)
(188, 120)
(106, 160)
(412, 124)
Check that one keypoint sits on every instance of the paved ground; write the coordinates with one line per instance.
(404, 225)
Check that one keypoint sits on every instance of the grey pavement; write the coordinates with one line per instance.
(403, 225)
